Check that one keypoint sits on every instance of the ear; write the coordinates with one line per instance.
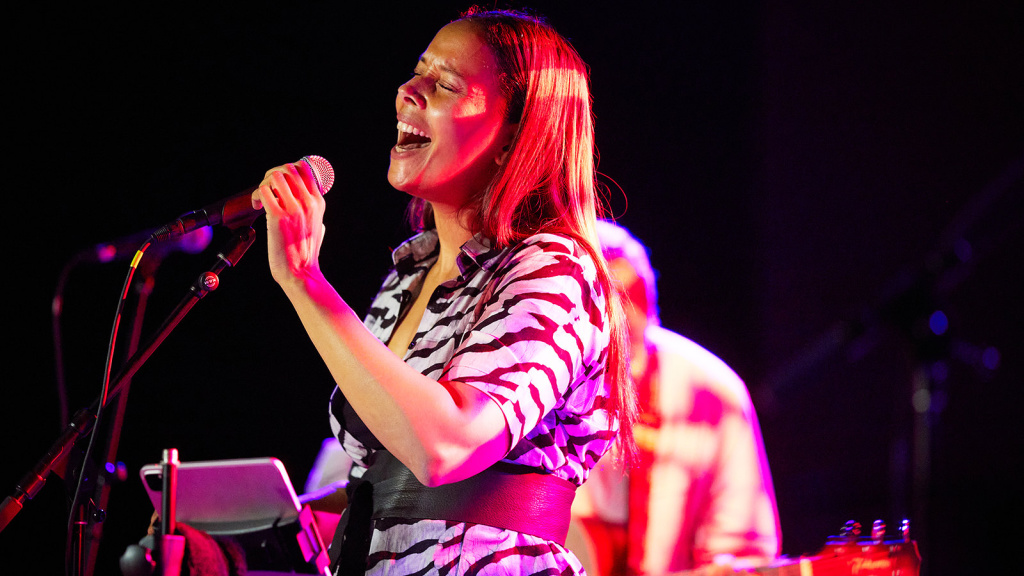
(508, 134)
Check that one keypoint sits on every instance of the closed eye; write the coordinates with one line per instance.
(438, 82)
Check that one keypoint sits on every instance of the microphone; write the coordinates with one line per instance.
(125, 247)
(237, 211)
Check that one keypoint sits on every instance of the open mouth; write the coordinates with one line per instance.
(410, 137)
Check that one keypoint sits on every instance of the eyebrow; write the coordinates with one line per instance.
(443, 67)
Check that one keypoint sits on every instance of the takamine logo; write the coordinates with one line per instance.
(867, 565)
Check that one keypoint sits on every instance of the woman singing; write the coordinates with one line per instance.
(488, 376)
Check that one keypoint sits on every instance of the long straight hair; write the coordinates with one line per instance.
(548, 179)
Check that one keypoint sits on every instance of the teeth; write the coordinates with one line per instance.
(403, 127)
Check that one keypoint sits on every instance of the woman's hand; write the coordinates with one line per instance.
(444, 432)
(291, 197)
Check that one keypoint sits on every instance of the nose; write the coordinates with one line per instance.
(410, 93)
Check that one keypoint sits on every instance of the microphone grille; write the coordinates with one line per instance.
(322, 170)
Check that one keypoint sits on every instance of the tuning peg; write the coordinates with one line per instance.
(905, 529)
(850, 531)
(878, 532)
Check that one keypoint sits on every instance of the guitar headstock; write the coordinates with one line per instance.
(850, 554)
(873, 555)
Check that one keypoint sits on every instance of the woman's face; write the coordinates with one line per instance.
(451, 121)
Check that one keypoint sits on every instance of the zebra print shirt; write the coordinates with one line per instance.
(527, 326)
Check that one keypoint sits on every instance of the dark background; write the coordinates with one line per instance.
(807, 175)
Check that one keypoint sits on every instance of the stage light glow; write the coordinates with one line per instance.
(938, 322)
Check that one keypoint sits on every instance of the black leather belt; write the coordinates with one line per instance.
(529, 503)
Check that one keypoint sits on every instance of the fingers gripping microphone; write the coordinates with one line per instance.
(237, 210)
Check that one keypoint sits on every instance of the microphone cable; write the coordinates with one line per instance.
(76, 503)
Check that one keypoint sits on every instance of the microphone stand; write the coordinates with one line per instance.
(56, 459)
(977, 230)
(108, 471)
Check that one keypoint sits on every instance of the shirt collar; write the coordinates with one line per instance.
(476, 251)
(424, 246)
(420, 247)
